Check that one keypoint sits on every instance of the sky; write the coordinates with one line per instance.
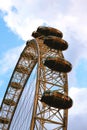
(19, 18)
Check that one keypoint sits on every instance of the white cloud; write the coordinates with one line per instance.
(78, 112)
(24, 16)
(27, 15)
(9, 59)
(79, 96)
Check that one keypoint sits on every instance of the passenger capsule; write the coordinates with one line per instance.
(16, 85)
(49, 31)
(22, 69)
(9, 102)
(4, 120)
(58, 64)
(56, 43)
(56, 99)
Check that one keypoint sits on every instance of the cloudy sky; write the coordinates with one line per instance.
(19, 18)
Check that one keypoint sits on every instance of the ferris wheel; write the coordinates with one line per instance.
(45, 102)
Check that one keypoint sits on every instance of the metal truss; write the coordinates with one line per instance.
(44, 117)
(22, 71)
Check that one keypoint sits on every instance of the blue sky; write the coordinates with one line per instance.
(8, 41)
(19, 18)
(7, 36)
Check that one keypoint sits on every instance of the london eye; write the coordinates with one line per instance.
(37, 94)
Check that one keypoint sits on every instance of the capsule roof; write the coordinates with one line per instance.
(49, 31)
